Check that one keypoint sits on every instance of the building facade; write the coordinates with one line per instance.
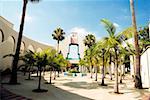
(8, 42)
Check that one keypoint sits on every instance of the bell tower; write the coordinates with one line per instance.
(73, 49)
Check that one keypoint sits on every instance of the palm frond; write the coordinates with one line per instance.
(8, 55)
(110, 28)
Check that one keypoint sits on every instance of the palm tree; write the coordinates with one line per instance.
(51, 57)
(59, 36)
(123, 55)
(103, 56)
(61, 62)
(89, 41)
(100, 52)
(13, 78)
(42, 61)
(138, 81)
(95, 58)
(110, 61)
(96, 64)
(82, 64)
(144, 42)
(112, 42)
(144, 38)
(29, 60)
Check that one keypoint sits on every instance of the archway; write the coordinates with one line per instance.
(11, 39)
(39, 50)
(22, 48)
(1, 36)
(30, 47)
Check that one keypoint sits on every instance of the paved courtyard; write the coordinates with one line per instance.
(76, 88)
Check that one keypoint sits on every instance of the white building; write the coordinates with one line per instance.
(145, 68)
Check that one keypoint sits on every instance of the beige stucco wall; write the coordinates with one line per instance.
(8, 45)
(6, 48)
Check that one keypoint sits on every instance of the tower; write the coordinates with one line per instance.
(73, 54)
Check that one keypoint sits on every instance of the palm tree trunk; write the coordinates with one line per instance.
(44, 71)
(29, 75)
(91, 67)
(103, 73)
(50, 79)
(116, 87)
(57, 46)
(37, 73)
(58, 73)
(54, 74)
(103, 76)
(96, 73)
(138, 81)
(110, 71)
(13, 78)
(91, 71)
(121, 73)
(24, 71)
(39, 86)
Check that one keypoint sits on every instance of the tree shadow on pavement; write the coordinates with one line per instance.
(82, 85)
(53, 93)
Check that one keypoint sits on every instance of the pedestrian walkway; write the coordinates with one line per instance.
(7, 95)
(73, 88)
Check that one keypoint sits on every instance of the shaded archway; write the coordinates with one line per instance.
(22, 48)
(39, 50)
(1, 36)
(11, 39)
(30, 47)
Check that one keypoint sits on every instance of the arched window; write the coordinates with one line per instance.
(1, 36)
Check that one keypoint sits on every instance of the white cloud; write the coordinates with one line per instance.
(82, 32)
(28, 18)
(115, 24)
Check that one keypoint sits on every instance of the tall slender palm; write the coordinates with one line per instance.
(103, 56)
(138, 81)
(59, 36)
(93, 55)
(112, 42)
(96, 63)
(89, 41)
(13, 78)
(110, 61)
(123, 59)
(100, 52)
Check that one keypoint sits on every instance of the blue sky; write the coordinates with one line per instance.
(80, 15)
